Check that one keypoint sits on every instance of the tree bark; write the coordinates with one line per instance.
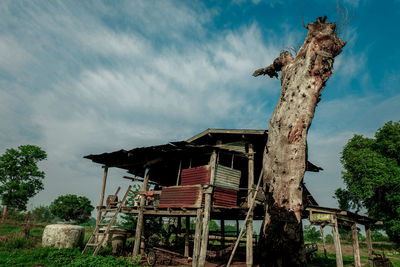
(302, 79)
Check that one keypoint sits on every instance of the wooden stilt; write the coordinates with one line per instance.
(139, 225)
(223, 232)
(356, 248)
(197, 238)
(208, 190)
(336, 240)
(179, 172)
(321, 228)
(187, 233)
(179, 226)
(237, 228)
(103, 189)
(369, 244)
(249, 226)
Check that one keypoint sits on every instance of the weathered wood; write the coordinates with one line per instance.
(369, 244)
(4, 214)
(139, 224)
(249, 226)
(223, 232)
(338, 247)
(356, 248)
(197, 238)
(303, 79)
(208, 190)
(103, 188)
(179, 172)
(323, 240)
(187, 236)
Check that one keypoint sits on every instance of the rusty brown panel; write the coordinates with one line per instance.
(224, 197)
(197, 175)
(188, 196)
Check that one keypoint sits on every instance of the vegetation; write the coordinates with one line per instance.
(20, 177)
(72, 207)
(42, 214)
(311, 234)
(372, 176)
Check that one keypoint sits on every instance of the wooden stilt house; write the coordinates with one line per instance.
(211, 175)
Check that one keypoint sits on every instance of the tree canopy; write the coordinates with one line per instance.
(372, 176)
(72, 208)
(20, 177)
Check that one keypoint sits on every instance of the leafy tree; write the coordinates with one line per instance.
(72, 207)
(311, 234)
(372, 176)
(20, 177)
(42, 214)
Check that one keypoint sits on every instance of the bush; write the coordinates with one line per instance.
(72, 207)
(16, 242)
(311, 234)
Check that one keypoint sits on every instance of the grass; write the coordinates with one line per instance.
(7, 229)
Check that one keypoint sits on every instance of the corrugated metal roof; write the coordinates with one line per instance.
(188, 196)
(197, 175)
(225, 197)
(226, 177)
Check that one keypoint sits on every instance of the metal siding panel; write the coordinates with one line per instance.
(181, 196)
(197, 175)
(225, 197)
(226, 177)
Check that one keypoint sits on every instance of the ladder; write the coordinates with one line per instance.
(111, 212)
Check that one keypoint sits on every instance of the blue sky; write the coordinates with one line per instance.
(85, 77)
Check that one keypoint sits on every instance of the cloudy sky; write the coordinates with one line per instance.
(83, 77)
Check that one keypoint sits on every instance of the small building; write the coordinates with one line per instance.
(210, 176)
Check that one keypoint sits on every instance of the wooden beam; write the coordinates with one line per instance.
(139, 225)
(249, 226)
(179, 172)
(369, 244)
(187, 237)
(197, 238)
(356, 248)
(223, 232)
(336, 240)
(207, 211)
(103, 189)
(321, 228)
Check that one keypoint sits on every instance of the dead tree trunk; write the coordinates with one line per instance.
(302, 79)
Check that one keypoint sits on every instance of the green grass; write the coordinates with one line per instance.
(7, 229)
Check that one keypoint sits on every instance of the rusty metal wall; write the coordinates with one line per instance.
(225, 197)
(181, 196)
(226, 177)
(197, 175)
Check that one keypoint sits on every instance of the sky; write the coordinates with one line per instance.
(87, 77)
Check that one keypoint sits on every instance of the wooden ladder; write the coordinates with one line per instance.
(111, 213)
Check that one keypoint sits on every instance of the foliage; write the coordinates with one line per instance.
(42, 214)
(329, 239)
(16, 241)
(311, 234)
(20, 177)
(377, 236)
(129, 220)
(7, 229)
(372, 176)
(72, 207)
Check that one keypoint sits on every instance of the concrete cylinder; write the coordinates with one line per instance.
(63, 235)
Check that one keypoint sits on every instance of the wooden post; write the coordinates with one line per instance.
(336, 240)
(249, 226)
(237, 228)
(223, 232)
(321, 228)
(208, 190)
(197, 238)
(187, 233)
(179, 172)
(103, 188)
(4, 215)
(356, 248)
(369, 244)
(178, 226)
(139, 225)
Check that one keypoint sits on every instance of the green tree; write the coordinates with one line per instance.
(311, 234)
(372, 176)
(42, 214)
(20, 177)
(72, 208)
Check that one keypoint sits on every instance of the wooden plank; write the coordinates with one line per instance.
(207, 211)
(187, 237)
(323, 240)
(249, 226)
(369, 244)
(356, 248)
(179, 172)
(336, 240)
(139, 225)
(197, 238)
(103, 188)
